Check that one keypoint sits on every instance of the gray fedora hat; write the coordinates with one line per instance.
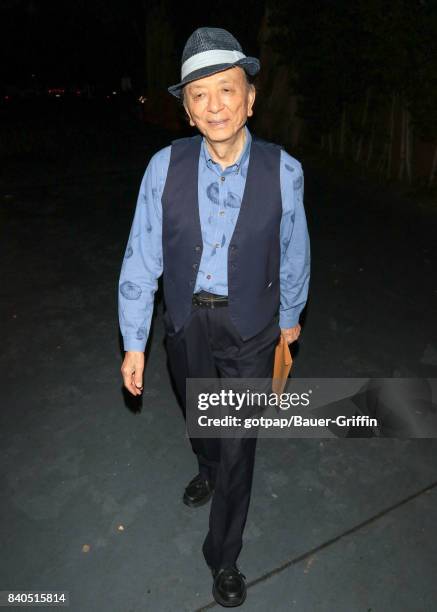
(211, 50)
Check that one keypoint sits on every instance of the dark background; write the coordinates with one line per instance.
(356, 81)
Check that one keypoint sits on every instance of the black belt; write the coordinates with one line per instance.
(205, 299)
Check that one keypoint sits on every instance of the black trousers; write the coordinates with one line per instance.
(209, 346)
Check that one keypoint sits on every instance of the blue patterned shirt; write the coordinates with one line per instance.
(220, 193)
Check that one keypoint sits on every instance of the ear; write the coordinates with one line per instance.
(188, 114)
(251, 100)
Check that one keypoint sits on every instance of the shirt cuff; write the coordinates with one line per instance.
(133, 344)
(289, 318)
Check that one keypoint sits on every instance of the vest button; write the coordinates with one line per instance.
(197, 247)
(194, 266)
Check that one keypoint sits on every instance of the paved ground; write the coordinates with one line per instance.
(334, 525)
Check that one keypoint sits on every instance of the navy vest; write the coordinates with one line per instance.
(253, 250)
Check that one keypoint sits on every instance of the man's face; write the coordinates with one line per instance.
(219, 105)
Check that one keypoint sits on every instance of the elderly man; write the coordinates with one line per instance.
(221, 216)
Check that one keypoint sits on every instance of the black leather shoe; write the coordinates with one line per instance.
(229, 588)
(198, 492)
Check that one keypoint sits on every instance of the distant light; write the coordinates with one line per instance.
(7, 98)
(107, 97)
(57, 95)
(114, 93)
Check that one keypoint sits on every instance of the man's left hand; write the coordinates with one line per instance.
(291, 334)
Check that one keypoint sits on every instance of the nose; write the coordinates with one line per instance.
(214, 103)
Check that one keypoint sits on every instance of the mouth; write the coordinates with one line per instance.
(217, 123)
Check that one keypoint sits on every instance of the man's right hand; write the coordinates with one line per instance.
(132, 370)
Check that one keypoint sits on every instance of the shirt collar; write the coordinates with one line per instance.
(241, 158)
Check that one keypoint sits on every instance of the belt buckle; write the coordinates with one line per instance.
(199, 302)
(207, 302)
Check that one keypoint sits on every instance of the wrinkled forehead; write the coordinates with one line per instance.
(234, 75)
